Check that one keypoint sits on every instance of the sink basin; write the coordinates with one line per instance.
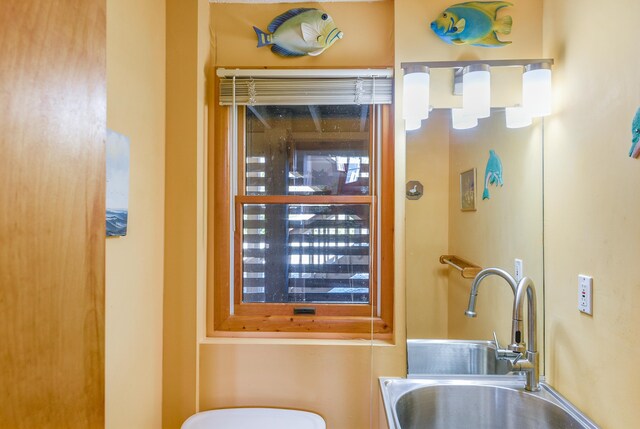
(459, 402)
(428, 357)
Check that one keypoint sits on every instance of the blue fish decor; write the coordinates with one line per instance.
(473, 23)
(635, 136)
(300, 32)
(492, 174)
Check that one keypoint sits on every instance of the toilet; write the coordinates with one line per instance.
(254, 418)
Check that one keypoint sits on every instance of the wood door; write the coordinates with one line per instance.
(52, 213)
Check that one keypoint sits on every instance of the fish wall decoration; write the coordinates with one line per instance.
(300, 32)
(473, 23)
(634, 152)
(492, 174)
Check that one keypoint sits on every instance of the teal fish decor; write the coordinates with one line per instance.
(634, 152)
(300, 32)
(492, 174)
(473, 23)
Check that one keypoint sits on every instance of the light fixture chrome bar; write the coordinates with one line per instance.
(414, 68)
(490, 63)
(538, 66)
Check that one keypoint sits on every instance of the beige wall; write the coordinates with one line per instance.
(427, 228)
(185, 234)
(337, 379)
(134, 279)
(367, 42)
(591, 205)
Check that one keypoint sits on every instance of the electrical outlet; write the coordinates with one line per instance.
(585, 288)
(518, 270)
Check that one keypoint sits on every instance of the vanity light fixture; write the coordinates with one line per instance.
(472, 82)
(476, 90)
(536, 89)
(462, 120)
(415, 95)
(517, 117)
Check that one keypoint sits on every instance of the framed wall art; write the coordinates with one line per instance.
(117, 154)
(468, 190)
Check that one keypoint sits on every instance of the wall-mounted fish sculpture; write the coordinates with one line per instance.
(634, 152)
(492, 174)
(473, 23)
(299, 32)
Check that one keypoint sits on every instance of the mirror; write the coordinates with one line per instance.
(506, 226)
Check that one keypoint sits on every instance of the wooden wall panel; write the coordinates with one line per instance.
(52, 131)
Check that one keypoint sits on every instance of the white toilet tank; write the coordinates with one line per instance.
(254, 418)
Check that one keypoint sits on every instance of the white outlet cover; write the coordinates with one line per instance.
(585, 290)
(518, 270)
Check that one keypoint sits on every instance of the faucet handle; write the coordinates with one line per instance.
(495, 340)
(512, 356)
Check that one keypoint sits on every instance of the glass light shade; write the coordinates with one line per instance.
(517, 117)
(462, 120)
(415, 96)
(536, 89)
(412, 124)
(476, 90)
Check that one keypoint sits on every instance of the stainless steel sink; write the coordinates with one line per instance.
(428, 357)
(479, 402)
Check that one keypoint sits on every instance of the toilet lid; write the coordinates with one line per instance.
(254, 418)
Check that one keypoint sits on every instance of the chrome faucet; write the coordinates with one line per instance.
(518, 348)
(530, 365)
(516, 344)
(471, 310)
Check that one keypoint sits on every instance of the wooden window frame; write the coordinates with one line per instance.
(348, 321)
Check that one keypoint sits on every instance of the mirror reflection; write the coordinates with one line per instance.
(453, 218)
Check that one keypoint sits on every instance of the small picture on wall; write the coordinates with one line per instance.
(117, 149)
(468, 190)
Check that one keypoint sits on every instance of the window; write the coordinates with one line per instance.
(302, 212)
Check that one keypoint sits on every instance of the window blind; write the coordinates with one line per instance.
(305, 87)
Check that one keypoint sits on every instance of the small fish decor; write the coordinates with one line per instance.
(473, 23)
(492, 174)
(634, 152)
(300, 32)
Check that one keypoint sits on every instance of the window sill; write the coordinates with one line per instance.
(303, 327)
(281, 341)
